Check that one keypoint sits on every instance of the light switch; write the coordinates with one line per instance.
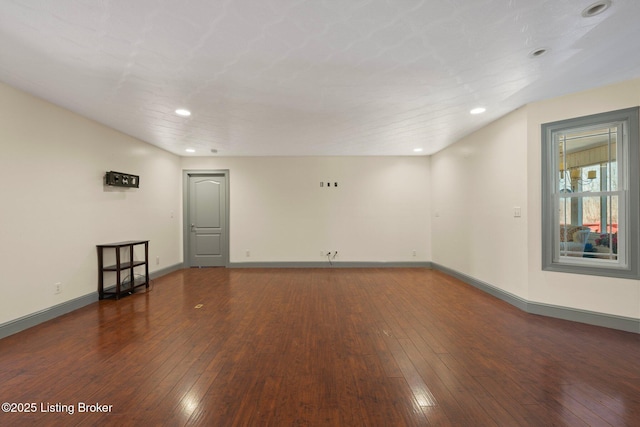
(517, 212)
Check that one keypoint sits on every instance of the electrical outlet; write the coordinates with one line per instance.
(57, 288)
(248, 253)
(415, 253)
(157, 260)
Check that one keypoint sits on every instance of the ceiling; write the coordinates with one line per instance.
(310, 77)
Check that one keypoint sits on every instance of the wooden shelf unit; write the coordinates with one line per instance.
(120, 266)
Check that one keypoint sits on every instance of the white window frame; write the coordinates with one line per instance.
(628, 192)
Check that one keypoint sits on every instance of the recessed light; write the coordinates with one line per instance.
(478, 110)
(190, 150)
(182, 112)
(417, 150)
(596, 9)
(538, 52)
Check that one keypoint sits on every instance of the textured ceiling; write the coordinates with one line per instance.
(310, 77)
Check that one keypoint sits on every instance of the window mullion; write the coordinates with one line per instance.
(588, 231)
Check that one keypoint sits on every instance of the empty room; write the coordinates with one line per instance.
(320, 213)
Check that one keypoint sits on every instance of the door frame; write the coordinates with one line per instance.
(186, 229)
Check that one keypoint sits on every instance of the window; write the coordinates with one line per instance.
(590, 195)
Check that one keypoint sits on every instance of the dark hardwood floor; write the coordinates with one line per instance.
(318, 347)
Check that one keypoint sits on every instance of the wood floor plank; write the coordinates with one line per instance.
(319, 347)
(460, 406)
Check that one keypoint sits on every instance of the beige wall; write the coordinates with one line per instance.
(476, 184)
(454, 208)
(279, 213)
(55, 208)
(478, 181)
(606, 295)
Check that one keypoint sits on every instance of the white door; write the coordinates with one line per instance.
(207, 221)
